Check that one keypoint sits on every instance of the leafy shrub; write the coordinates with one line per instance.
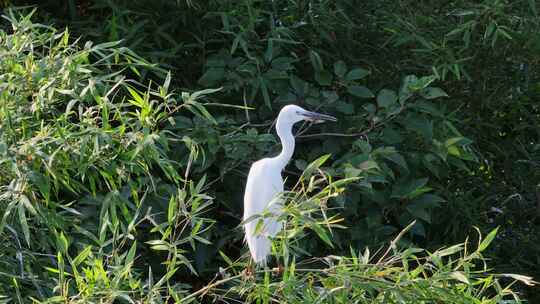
(403, 141)
(85, 161)
(486, 53)
(88, 170)
(414, 160)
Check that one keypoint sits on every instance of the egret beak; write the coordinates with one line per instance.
(317, 117)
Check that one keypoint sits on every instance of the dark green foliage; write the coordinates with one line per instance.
(108, 148)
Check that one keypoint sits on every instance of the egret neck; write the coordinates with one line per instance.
(284, 131)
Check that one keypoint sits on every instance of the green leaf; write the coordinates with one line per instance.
(522, 278)
(532, 6)
(454, 151)
(340, 68)
(323, 77)
(287, 97)
(283, 63)
(269, 53)
(351, 171)
(357, 74)
(159, 245)
(212, 76)
(421, 125)
(418, 229)
(27, 204)
(489, 238)
(386, 98)
(82, 256)
(430, 200)
(197, 94)
(62, 242)
(201, 110)
(167, 83)
(500, 30)
(299, 85)
(462, 141)
(398, 160)
(316, 61)
(323, 235)
(264, 90)
(448, 251)
(330, 96)
(458, 275)
(173, 206)
(131, 253)
(360, 91)
(419, 211)
(258, 227)
(421, 83)
(391, 136)
(137, 100)
(344, 107)
(364, 145)
(226, 258)
(202, 240)
(404, 92)
(432, 93)
(368, 165)
(406, 188)
(300, 164)
(370, 108)
(236, 41)
(24, 223)
(314, 165)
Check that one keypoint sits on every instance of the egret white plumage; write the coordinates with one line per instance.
(265, 183)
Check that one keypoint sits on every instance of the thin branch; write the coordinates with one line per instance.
(335, 134)
(210, 286)
(246, 107)
(393, 243)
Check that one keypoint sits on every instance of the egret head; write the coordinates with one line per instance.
(291, 114)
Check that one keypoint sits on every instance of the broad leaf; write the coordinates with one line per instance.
(360, 91)
(357, 74)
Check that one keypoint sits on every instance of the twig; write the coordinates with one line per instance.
(335, 134)
(372, 126)
(210, 286)
(246, 107)
(394, 241)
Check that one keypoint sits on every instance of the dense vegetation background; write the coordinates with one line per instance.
(123, 154)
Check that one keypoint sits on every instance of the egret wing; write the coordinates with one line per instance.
(262, 187)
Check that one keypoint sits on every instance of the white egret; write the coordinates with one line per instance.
(264, 184)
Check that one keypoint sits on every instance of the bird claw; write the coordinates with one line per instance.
(249, 272)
